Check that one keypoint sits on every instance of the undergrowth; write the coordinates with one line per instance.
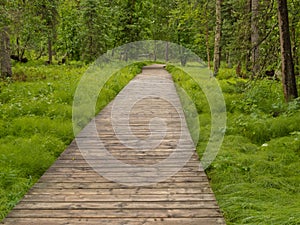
(36, 121)
(255, 176)
(199, 101)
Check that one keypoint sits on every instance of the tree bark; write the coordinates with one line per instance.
(218, 34)
(248, 12)
(288, 74)
(294, 44)
(167, 52)
(207, 37)
(50, 55)
(255, 37)
(155, 50)
(5, 62)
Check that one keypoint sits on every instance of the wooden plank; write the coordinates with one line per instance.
(116, 172)
(118, 221)
(191, 165)
(118, 213)
(79, 185)
(131, 160)
(117, 205)
(119, 198)
(124, 191)
(130, 179)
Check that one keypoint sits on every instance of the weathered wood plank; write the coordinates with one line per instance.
(117, 213)
(64, 170)
(123, 221)
(189, 166)
(130, 179)
(79, 185)
(127, 191)
(119, 198)
(117, 205)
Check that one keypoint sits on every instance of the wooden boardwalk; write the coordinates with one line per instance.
(150, 185)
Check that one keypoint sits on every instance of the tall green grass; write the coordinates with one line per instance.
(255, 176)
(197, 96)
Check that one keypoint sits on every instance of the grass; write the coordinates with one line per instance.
(195, 105)
(255, 175)
(36, 121)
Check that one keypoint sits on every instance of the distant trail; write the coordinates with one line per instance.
(134, 164)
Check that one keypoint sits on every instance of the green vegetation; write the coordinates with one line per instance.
(256, 174)
(60, 30)
(201, 104)
(36, 121)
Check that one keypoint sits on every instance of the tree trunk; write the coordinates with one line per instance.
(5, 63)
(218, 33)
(183, 56)
(24, 48)
(294, 45)
(155, 50)
(288, 75)
(207, 36)
(248, 11)
(228, 59)
(50, 55)
(255, 37)
(167, 52)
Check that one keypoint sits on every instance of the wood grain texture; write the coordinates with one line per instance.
(72, 191)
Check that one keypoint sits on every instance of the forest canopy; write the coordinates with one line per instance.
(242, 34)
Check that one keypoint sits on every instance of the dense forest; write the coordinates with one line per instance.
(243, 34)
(252, 47)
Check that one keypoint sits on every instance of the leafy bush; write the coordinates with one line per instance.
(263, 95)
(225, 74)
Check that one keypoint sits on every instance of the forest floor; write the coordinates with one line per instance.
(256, 174)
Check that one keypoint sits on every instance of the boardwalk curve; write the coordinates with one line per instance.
(144, 171)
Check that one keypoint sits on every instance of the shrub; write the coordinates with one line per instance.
(225, 74)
